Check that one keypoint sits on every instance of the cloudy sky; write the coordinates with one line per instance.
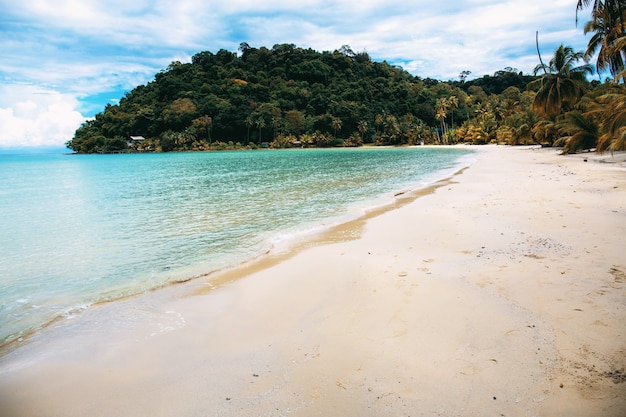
(62, 61)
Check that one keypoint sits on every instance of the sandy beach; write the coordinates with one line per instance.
(499, 292)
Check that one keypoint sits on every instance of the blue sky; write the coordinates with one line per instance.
(62, 61)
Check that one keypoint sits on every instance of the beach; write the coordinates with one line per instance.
(500, 291)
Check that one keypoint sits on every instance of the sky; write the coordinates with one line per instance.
(63, 61)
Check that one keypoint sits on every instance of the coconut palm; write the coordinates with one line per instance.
(545, 132)
(608, 24)
(615, 9)
(378, 120)
(336, 124)
(249, 123)
(362, 126)
(561, 86)
(441, 108)
(579, 131)
(522, 125)
(260, 123)
(453, 104)
(610, 108)
(607, 41)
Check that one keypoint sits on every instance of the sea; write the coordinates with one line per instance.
(76, 230)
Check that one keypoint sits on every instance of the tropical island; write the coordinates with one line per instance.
(289, 96)
(498, 290)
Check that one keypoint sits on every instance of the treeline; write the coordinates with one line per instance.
(286, 95)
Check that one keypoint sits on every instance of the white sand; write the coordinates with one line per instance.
(501, 293)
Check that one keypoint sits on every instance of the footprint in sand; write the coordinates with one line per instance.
(618, 274)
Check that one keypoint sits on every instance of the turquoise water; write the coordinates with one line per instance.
(78, 229)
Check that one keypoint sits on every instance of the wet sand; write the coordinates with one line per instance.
(501, 292)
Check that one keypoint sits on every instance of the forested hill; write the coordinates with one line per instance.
(286, 95)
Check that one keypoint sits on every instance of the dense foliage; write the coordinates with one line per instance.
(284, 95)
(287, 96)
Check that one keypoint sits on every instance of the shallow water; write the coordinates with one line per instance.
(78, 229)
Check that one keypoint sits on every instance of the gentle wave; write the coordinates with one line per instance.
(83, 229)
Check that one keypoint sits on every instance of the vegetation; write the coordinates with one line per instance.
(289, 96)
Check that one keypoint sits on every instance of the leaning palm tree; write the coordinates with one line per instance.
(606, 41)
(611, 109)
(442, 111)
(545, 132)
(562, 83)
(580, 131)
(615, 8)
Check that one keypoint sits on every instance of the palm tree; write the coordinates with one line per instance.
(605, 41)
(362, 126)
(522, 125)
(441, 107)
(615, 8)
(249, 123)
(580, 132)
(545, 132)
(610, 108)
(260, 123)
(453, 104)
(608, 22)
(378, 120)
(336, 124)
(561, 86)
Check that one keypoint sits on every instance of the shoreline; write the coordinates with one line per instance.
(500, 292)
(277, 247)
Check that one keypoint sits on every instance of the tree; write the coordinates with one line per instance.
(463, 75)
(610, 110)
(362, 126)
(336, 124)
(453, 104)
(608, 31)
(562, 83)
(296, 92)
(615, 9)
(260, 124)
(546, 132)
(249, 123)
(294, 122)
(378, 120)
(442, 112)
(204, 123)
(580, 132)
(179, 113)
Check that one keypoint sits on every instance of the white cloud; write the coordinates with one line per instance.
(79, 49)
(33, 117)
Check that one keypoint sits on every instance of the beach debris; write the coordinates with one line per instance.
(618, 376)
(402, 274)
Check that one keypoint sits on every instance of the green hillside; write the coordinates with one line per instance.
(289, 96)
(280, 95)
